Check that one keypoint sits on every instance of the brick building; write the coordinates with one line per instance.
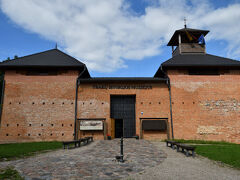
(193, 95)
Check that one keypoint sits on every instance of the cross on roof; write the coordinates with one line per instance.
(185, 22)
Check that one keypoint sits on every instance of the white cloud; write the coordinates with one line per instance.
(104, 34)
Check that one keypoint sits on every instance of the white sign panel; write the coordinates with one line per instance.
(91, 125)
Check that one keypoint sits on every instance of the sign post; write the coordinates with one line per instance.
(120, 158)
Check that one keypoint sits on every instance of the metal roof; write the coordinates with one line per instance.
(200, 60)
(184, 39)
(49, 58)
(197, 60)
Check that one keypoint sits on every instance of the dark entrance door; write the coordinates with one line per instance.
(118, 128)
(123, 107)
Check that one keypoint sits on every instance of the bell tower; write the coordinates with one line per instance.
(188, 41)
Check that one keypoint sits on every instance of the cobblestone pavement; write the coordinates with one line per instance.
(94, 161)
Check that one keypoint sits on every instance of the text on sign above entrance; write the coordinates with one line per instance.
(122, 87)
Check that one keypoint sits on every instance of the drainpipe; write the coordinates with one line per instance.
(170, 100)
(3, 88)
(76, 100)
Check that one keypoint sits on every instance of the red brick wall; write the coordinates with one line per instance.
(38, 108)
(41, 108)
(95, 103)
(155, 135)
(206, 107)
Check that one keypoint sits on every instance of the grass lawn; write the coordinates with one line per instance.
(10, 173)
(202, 142)
(225, 152)
(18, 150)
(229, 154)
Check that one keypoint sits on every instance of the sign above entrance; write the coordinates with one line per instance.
(122, 87)
(91, 125)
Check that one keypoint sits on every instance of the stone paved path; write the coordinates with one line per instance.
(94, 161)
(178, 166)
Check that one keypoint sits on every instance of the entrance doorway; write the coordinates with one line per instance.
(118, 128)
(123, 111)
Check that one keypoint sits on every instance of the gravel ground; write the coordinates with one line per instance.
(178, 166)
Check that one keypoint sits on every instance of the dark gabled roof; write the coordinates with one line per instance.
(51, 58)
(122, 79)
(197, 60)
(200, 60)
(184, 39)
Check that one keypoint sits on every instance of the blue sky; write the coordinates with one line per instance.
(116, 38)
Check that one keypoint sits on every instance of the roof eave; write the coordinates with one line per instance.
(12, 67)
(200, 65)
(94, 80)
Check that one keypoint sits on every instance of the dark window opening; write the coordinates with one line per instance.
(203, 72)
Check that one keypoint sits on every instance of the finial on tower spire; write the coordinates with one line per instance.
(185, 22)
(56, 46)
